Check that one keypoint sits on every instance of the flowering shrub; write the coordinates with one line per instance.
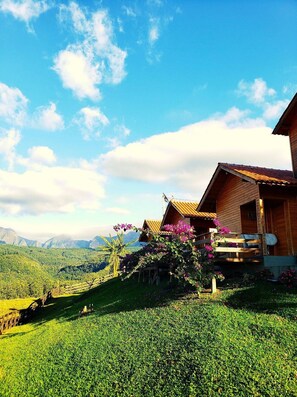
(288, 278)
(176, 252)
(183, 230)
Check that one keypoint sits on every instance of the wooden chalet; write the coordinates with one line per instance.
(259, 205)
(151, 227)
(187, 211)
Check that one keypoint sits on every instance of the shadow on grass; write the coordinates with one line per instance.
(265, 297)
(114, 296)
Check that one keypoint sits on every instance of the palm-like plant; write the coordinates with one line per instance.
(116, 247)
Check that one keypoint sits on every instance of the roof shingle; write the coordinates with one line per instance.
(262, 175)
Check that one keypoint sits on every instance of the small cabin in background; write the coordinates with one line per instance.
(186, 211)
(152, 227)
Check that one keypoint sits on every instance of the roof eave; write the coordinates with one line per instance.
(284, 123)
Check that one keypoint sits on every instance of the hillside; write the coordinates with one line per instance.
(22, 276)
(148, 341)
(28, 271)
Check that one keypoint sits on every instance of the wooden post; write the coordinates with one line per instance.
(213, 285)
(262, 225)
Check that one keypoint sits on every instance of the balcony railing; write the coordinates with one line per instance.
(233, 247)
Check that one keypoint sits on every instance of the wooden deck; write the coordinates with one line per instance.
(233, 247)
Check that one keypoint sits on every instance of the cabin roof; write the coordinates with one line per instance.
(188, 209)
(284, 123)
(261, 175)
(152, 225)
(248, 173)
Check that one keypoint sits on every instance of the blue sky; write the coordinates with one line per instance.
(105, 105)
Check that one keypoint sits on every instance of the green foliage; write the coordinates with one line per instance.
(30, 271)
(115, 249)
(144, 341)
(21, 276)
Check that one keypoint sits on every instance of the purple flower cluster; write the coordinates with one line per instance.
(181, 229)
(123, 226)
(221, 229)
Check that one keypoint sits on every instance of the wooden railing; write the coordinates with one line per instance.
(85, 285)
(9, 320)
(233, 247)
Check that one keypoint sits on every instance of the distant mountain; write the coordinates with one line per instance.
(128, 237)
(65, 242)
(9, 236)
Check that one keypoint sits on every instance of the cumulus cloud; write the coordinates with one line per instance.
(187, 158)
(8, 142)
(24, 10)
(50, 190)
(41, 155)
(78, 72)
(13, 105)
(96, 59)
(47, 118)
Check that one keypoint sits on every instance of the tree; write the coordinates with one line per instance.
(116, 247)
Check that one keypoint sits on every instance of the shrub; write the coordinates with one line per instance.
(288, 278)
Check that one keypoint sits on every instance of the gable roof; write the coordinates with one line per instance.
(152, 225)
(284, 123)
(149, 227)
(261, 175)
(252, 174)
(187, 209)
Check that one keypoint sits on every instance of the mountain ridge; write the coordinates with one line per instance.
(9, 236)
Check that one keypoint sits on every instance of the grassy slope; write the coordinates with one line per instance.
(8, 305)
(143, 341)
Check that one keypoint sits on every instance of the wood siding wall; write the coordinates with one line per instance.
(173, 217)
(235, 193)
(293, 144)
(280, 206)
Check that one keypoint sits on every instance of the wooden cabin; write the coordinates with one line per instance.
(259, 202)
(187, 211)
(151, 227)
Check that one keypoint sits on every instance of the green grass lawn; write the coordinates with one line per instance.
(148, 341)
(8, 305)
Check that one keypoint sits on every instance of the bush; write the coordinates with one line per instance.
(288, 278)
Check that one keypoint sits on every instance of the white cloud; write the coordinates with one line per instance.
(256, 92)
(91, 120)
(78, 72)
(8, 141)
(24, 10)
(41, 155)
(50, 190)
(93, 61)
(13, 105)
(47, 118)
(187, 158)
(275, 110)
